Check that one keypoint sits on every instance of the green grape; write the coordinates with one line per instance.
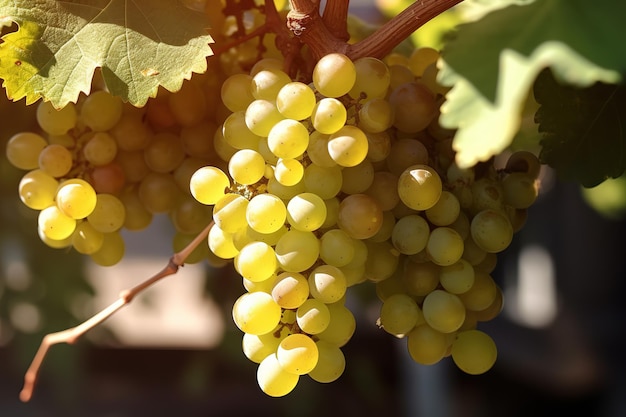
(288, 172)
(256, 313)
(375, 116)
(284, 192)
(458, 277)
(159, 193)
(258, 347)
(208, 184)
(379, 146)
(56, 122)
(341, 327)
(86, 239)
(426, 345)
(474, 352)
(295, 100)
(189, 216)
(336, 248)
(130, 133)
(76, 198)
(317, 151)
(488, 194)
(246, 166)
(330, 364)
(399, 314)
(414, 107)
(288, 139)
(348, 146)
(290, 290)
(53, 243)
(306, 212)
(101, 149)
(520, 190)
(267, 83)
(313, 316)
(382, 261)
(372, 79)
(229, 213)
(54, 224)
(443, 311)
(236, 92)
(297, 250)
(261, 116)
(461, 225)
(421, 58)
(488, 264)
(360, 216)
(491, 230)
(100, 111)
(164, 153)
(384, 189)
(221, 243)
(23, 150)
(108, 215)
(334, 75)
(357, 179)
(419, 187)
(472, 253)
(137, 216)
(410, 234)
(444, 246)
(482, 293)
(37, 189)
(324, 182)
(420, 278)
(112, 250)
(256, 261)
(445, 211)
(266, 213)
(236, 134)
(297, 354)
(273, 379)
(328, 115)
(327, 283)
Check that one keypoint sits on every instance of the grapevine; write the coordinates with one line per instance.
(309, 162)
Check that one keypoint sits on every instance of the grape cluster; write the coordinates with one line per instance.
(349, 179)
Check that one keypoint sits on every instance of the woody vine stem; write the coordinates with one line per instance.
(322, 34)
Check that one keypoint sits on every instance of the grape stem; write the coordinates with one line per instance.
(71, 335)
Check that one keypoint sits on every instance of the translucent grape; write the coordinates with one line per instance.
(189, 216)
(331, 363)
(221, 243)
(288, 139)
(23, 150)
(236, 134)
(108, 215)
(256, 313)
(444, 246)
(295, 100)
(360, 216)
(426, 345)
(458, 277)
(55, 224)
(209, 184)
(313, 316)
(419, 187)
(229, 213)
(306, 212)
(288, 171)
(131, 134)
(334, 75)
(348, 146)
(273, 379)
(491, 230)
(420, 278)
(258, 347)
(414, 107)
(399, 314)
(266, 213)
(318, 150)
(327, 283)
(37, 189)
(297, 354)
(159, 193)
(267, 83)
(382, 261)
(474, 352)
(164, 153)
(336, 248)
(101, 149)
(520, 190)
(290, 290)
(261, 116)
(236, 92)
(137, 216)
(189, 104)
(421, 58)
(410, 234)
(443, 311)
(341, 327)
(256, 261)
(445, 211)
(384, 189)
(357, 179)
(482, 293)
(76, 198)
(56, 122)
(86, 239)
(297, 250)
(372, 78)
(322, 181)
(246, 166)
(328, 116)
(100, 111)
(112, 250)
(375, 116)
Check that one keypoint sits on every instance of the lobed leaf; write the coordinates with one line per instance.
(138, 44)
(492, 63)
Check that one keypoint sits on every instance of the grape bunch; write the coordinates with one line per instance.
(349, 179)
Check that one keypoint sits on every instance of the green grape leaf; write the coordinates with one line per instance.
(492, 63)
(139, 46)
(584, 137)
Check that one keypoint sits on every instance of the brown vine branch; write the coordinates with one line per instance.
(71, 335)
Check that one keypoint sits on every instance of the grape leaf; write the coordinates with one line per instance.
(492, 63)
(139, 45)
(584, 136)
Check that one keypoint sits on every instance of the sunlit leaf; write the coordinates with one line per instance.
(139, 45)
(492, 63)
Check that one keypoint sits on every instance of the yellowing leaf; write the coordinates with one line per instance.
(139, 45)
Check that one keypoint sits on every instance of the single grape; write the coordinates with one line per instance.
(56, 121)
(306, 212)
(246, 166)
(37, 189)
(297, 250)
(491, 230)
(419, 187)
(399, 314)
(256, 261)
(330, 364)
(256, 313)
(266, 213)
(360, 216)
(76, 198)
(209, 184)
(313, 316)
(23, 150)
(474, 352)
(426, 345)
(443, 311)
(297, 354)
(348, 146)
(295, 100)
(334, 75)
(327, 283)
(328, 115)
(273, 379)
(290, 290)
(108, 215)
(100, 111)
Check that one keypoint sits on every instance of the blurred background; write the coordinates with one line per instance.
(175, 349)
